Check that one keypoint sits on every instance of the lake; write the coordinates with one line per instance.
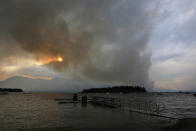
(39, 111)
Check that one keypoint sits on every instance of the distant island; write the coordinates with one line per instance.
(115, 89)
(10, 90)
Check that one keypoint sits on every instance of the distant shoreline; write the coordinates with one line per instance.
(116, 89)
(10, 90)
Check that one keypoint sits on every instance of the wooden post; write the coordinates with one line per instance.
(75, 97)
(84, 99)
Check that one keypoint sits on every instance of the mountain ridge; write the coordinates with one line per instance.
(54, 85)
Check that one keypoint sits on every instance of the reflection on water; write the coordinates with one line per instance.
(28, 110)
(40, 110)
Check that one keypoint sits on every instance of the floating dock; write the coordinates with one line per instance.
(142, 107)
(106, 101)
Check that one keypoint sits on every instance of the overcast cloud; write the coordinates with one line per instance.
(110, 41)
(173, 44)
(103, 41)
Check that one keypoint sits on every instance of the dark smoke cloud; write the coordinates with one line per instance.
(99, 40)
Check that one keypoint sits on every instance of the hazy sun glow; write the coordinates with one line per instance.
(60, 59)
(48, 60)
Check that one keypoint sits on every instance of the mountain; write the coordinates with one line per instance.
(56, 84)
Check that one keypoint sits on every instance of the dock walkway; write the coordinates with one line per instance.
(141, 107)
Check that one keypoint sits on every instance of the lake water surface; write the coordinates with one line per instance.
(39, 111)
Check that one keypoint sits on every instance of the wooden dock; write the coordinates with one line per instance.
(106, 102)
(65, 102)
(142, 107)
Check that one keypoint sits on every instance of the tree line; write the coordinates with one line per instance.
(10, 90)
(115, 89)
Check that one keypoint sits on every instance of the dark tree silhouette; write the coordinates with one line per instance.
(10, 90)
(115, 89)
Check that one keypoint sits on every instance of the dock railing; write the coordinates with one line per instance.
(144, 107)
(127, 104)
(106, 101)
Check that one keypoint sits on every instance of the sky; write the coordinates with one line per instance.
(173, 46)
(149, 43)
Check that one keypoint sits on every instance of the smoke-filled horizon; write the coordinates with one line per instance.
(104, 41)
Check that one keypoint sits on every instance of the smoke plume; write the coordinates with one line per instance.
(98, 40)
